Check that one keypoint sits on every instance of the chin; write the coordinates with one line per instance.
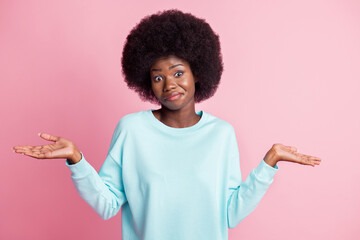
(172, 108)
(175, 106)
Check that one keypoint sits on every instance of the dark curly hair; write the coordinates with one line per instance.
(166, 33)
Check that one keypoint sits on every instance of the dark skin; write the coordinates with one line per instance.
(168, 75)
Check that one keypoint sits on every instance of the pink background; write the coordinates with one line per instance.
(291, 76)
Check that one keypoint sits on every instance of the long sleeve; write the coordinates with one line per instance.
(172, 183)
(243, 197)
(103, 191)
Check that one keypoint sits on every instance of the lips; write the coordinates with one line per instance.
(171, 95)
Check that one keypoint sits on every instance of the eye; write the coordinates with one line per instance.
(157, 78)
(179, 73)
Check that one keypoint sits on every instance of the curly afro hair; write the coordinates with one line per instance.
(166, 33)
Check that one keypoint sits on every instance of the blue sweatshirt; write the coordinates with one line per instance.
(172, 183)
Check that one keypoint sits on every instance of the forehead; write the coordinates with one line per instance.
(169, 61)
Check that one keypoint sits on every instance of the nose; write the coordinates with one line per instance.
(169, 84)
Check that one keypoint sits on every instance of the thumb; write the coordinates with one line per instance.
(48, 137)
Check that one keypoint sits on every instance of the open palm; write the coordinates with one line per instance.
(60, 148)
(280, 152)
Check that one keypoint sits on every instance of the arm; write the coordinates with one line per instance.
(245, 197)
(104, 191)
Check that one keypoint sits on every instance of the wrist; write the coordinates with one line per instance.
(76, 157)
(271, 158)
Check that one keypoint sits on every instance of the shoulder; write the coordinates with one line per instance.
(219, 123)
(131, 120)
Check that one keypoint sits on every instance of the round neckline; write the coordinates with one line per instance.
(157, 123)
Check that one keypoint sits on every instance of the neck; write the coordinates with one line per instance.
(185, 117)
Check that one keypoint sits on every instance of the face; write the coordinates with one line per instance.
(172, 76)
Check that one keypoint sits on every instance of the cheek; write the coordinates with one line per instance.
(189, 85)
(155, 87)
(154, 90)
(157, 90)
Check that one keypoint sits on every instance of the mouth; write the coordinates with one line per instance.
(172, 96)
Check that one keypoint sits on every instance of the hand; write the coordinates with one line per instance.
(280, 152)
(61, 148)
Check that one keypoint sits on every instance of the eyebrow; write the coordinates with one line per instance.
(171, 67)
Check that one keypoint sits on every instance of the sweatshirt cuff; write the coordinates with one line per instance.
(265, 171)
(79, 169)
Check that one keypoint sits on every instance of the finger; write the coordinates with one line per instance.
(37, 155)
(32, 154)
(313, 158)
(42, 148)
(316, 160)
(34, 151)
(22, 151)
(305, 160)
(27, 148)
(48, 137)
(37, 148)
(310, 160)
(30, 148)
(314, 164)
(22, 147)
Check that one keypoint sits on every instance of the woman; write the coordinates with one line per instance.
(173, 171)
